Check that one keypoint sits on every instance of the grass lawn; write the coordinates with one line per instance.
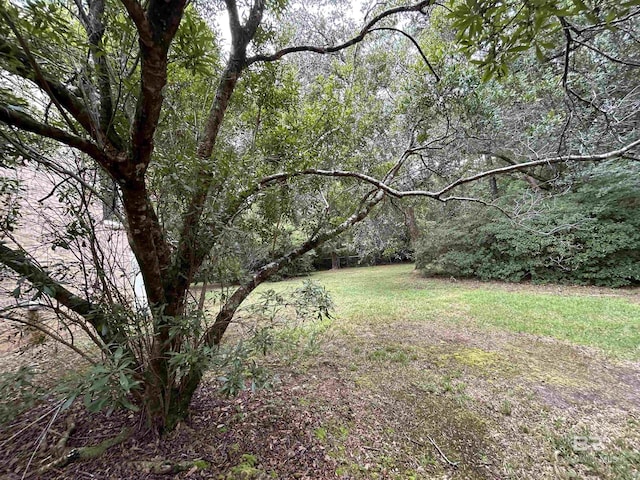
(504, 381)
(598, 318)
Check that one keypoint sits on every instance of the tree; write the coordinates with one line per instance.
(128, 108)
(555, 233)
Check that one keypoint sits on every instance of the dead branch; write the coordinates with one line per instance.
(432, 442)
(166, 467)
(62, 443)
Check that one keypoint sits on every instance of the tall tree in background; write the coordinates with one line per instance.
(573, 93)
(197, 146)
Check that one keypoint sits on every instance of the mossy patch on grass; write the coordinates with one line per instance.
(246, 469)
(461, 434)
(476, 357)
(394, 353)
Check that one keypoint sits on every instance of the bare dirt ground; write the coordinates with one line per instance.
(403, 400)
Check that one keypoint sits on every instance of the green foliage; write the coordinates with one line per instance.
(107, 385)
(494, 33)
(278, 317)
(299, 267)
(238, 369)
(18, 393)
(9, 206)
(590, 235)
(312, 301)
(192, 48)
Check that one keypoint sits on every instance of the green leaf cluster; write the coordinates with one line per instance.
(107, 385)
(590, 235)
(494, 33)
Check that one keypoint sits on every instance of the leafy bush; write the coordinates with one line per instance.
(287, 322)
(590, 235)
(17, 393)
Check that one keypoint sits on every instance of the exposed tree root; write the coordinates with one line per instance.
(62, 443)
(165, 467)
(82, 453)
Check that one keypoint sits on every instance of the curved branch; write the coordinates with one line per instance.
(36, 69)
(214, 334)
(628, 63)
(438, 194)
(22, 121)
(415, 43)
(29, 153)
(49, 332)
(234, 17)
(20, 65)
(535, 163)
(600, 26)
(40, 279)
(418, 7)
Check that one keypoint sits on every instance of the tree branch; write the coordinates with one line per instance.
(415, 43)
(234, 17)
(188, 256)
(215, 332)
(40, 279)
(45, 330)
(36, 69)
(567, 51)
(22, 121)
(18, 64)
(29, 153)
(629, 63)
(137, 15)
(161, 24)
(418, 7)
(438, 194)
(95, 29)
(535, 163)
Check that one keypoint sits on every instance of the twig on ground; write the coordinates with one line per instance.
(62, 443)
(366, 447)
(48, 412)
(447, 461)
(165, 467)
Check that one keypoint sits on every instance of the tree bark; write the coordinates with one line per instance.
(412, 225)
(335, 261)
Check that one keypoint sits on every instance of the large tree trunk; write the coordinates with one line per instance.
(335, 261)
(412, 225)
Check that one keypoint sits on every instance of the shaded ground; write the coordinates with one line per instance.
(394, 398)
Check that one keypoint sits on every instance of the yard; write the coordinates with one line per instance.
(414, 378)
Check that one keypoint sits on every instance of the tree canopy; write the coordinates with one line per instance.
(234, 164)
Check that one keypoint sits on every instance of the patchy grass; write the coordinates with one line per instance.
(423, 378)
(611, 324)
(606, 319)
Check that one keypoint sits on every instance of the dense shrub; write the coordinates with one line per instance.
(589, 235)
